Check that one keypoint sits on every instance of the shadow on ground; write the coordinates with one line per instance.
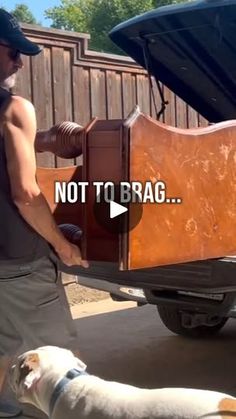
(133, 346)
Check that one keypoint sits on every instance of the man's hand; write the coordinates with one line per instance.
(70, 255)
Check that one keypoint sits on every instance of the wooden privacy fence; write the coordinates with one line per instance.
(69, 82)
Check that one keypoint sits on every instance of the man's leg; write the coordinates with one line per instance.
(41, 313)
(38, 308)
(8, 339)
(50, 321)
(4, 364)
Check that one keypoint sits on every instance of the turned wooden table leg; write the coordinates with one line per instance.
(64, 140)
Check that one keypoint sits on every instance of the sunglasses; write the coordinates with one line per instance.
(13, 53)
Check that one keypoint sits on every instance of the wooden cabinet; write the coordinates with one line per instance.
(197, 165)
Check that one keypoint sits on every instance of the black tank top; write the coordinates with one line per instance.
(19, 242)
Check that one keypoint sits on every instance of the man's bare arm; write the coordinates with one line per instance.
(19, 130)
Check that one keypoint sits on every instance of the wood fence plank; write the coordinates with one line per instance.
(62, 92)
(192, 117)
(202, 121)
(68, 86)
(181, 113)
(98, 94)
(23, 83)
(81, 95)
(170, 112)
(81, 99)
(114, 99)
(42, 98)
(143, 94)
(129, 94)
(157, 98)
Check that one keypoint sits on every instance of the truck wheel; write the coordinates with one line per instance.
(171, 317)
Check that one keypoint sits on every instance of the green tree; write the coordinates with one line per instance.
(98, 17)
(70, 15)
(23, 14)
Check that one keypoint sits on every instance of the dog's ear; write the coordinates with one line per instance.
(29, 371)
(81, 366)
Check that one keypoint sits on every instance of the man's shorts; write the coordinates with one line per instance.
(33, 308)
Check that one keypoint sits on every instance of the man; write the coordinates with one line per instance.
(33, 309)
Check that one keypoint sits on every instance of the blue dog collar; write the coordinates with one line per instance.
(73, 373)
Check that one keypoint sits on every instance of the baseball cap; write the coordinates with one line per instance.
(11, 32)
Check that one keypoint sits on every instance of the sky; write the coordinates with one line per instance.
(37, 7)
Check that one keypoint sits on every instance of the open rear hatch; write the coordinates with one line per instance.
(191, 48)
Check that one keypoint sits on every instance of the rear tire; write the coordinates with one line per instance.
(171, 317)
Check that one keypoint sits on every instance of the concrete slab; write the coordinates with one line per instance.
(121, 342)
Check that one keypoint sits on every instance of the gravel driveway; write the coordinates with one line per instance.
(78, 294)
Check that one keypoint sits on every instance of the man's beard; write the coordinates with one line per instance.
(9, 82)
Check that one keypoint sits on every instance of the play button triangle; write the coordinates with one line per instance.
(116, 209)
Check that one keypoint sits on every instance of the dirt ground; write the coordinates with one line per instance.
(77, 294)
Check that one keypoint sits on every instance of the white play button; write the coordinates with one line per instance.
(111, 215)
(116, 209)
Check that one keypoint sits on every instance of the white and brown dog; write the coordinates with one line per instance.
(55, 381)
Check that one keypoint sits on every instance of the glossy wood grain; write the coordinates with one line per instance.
(197, 165)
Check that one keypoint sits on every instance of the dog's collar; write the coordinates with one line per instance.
(73, 373)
